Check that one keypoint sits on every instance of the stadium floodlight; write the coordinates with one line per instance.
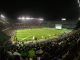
(79, 18)
(32, 18)
(19, 18)
(63, 19)
(23, 18)
(41, 19)
(2, 16)
(78, 2)
(27, 18)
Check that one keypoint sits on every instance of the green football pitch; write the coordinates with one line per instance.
(23, 35)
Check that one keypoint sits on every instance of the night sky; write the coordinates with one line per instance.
(49, 10)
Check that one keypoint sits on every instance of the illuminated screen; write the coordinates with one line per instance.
(58, 26)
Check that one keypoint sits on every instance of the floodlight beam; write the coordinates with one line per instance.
(2, 16)
(63, 19)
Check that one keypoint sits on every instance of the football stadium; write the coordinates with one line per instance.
(29, 32)
(35, 38)
(40, 33)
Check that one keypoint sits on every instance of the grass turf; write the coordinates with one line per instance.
(38, 34)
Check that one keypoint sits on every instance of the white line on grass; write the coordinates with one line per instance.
(26, 37)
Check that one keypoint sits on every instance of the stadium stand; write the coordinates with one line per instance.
(66, 48)
(50, 24)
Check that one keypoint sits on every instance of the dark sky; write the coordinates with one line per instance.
(46, 8)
